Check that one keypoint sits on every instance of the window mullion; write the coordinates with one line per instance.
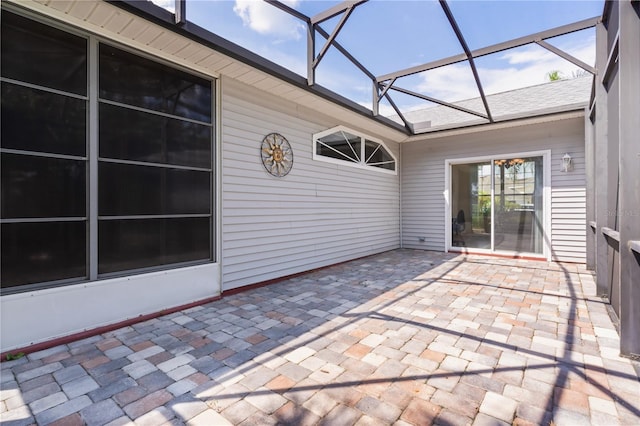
(493, 206)
(374, 153)
(346, 139)
(93, 158)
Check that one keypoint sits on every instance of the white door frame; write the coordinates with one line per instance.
(546, 176)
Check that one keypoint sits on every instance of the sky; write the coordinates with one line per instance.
(390, 35)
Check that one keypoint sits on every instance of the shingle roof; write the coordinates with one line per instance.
(555, 96)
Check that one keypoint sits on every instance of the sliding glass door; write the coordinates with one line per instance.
(471, 205)
(498, 204)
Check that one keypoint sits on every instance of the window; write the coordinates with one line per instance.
(154, 168)
(347, 146)
(152, 206)
(43, 153)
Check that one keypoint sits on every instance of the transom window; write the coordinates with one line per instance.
(347, 146)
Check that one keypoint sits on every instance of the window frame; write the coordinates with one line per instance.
(546, 155)
(94, 270)
(92, 157)
(362, 163)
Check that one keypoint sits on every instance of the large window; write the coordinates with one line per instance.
(77, 204)
(154, 173)
(343, 145)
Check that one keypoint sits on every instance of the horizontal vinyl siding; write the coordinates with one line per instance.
(423, 182)
(319, 214)
(569, 202)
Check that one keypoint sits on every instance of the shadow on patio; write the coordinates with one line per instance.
(406, 337)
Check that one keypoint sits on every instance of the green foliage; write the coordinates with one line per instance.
(11, 357)
(485, 208)
(554, 75)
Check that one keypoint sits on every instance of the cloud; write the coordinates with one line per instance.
(268, 20)
(523, 67)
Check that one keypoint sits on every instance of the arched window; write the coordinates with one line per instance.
(347, 146)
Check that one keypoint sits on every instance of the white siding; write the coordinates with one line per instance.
(319, 214)
(423, 181)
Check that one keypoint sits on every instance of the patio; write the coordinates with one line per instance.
(403, 337)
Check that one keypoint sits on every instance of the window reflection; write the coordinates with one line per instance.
(40, 187)
(134, 190)
(518, 204)
(133, 135)
(39, 54)
(35, 120)
(40, 252)
(135, 244)
(137, 81)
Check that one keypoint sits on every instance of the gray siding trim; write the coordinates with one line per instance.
(319, 214)
(423, 182)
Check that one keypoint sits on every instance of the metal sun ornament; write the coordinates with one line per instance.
(277, 155)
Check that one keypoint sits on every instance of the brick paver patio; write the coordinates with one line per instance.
(404, 337)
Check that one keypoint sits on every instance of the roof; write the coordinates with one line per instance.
(552, 97)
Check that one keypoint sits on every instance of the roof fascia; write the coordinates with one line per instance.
(514, 120)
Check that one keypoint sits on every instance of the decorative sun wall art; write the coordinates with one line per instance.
(277, 155)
